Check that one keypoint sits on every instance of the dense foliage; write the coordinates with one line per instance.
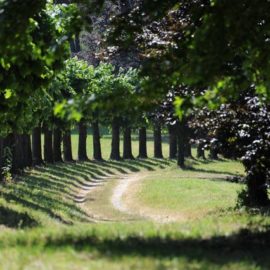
(242, 131)
(188, 54)
(32, 50)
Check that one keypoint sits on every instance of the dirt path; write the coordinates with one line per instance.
(123, 199)
(121, 189)
(121, 202)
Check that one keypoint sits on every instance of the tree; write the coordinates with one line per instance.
(204, 44)
(44, 30)
(241, 130)
(142, 136)
(31, 50)
(79, 75)
(115, 99)
(36, 146)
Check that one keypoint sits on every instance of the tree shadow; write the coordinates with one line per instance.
(127, 164)
(34, 206)
(190, 168)
(48, 190)
(142, 164)
(13, 219)
(111, 165)
(247, 246)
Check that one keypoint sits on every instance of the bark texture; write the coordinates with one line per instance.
(200, 150)
(157, 141)
(142, 143)
(97, 154)
(127, 144)
(115, 145)
(27, 150)
(36, 146)
(57, 141)
(257, 193)
(82, 151)
(48, 145)
(172, 142)
(67, 146)
(181, 144)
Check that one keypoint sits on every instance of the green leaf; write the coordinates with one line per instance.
(8, 93)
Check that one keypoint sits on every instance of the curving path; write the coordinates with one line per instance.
(121, 198)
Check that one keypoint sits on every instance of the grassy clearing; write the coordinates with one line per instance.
(195, 191)
(48, 230)
(192, 196)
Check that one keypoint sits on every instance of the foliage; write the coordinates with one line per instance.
(242, 130)
(205, 44)
(31, 50)
(200, 42)
(72, 86)
(99, 92)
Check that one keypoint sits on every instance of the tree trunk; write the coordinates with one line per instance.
(7, 154)
(82, 152)
(127, 144)
(97, 155)
(187, 135)
(27, 150)
(48, 145)
(142, 143)
(181, 144)
(115, 145)
(257, 188)
(213, 153)
(200, 150)
(19, 155)
(57, 140)
(157, 142)
(67, 145)
(188, 149)
(36, 146)
(1, 158)
(172, 142)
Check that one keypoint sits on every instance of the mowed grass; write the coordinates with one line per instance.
(201, 188)
(190, 196)
(43, 228)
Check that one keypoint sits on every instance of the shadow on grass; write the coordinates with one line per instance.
(53, 190)
(13, 219)
(244, 246)
(192, 163)
(189, 168)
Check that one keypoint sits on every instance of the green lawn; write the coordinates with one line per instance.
(43, 228)
(190, 195)
(197, 190)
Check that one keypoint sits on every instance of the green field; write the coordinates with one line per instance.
(42, 226)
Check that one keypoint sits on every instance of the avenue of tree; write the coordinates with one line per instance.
(201, 71)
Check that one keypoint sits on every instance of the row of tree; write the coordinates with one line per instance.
(82, 95)
(198, 47)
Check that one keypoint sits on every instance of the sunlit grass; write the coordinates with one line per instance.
(190, 196)
(48, 230)
(199, 189)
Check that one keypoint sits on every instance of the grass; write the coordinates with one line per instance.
(190, 195)
(196, 191)
(46, 229)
